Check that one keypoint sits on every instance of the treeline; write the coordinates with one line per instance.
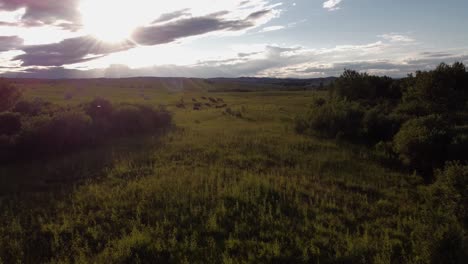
(36, 129)
(420, 121)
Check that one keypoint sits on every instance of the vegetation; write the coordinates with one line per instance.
(37, 129)
(422, 118)
(235, 184)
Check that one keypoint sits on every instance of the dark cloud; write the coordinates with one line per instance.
(436, 54)
(277, 66)
(69, 51)
(170, 16)
(258, 14)
(166, 33)
(8, 24)
(43, 11)
(10, 43)
(247, 54)
(54, 73)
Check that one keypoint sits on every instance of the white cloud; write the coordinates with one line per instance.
(394, 37)
(272, 28)
(332, 5)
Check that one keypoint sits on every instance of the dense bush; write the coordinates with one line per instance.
(9, 95)
(370, 109)
(48, 129)
(361, 86)
(447, 201)
(59, 134)
(377, 125)
(34, 107)
(337, 118)
(444, 89)
(10, 123)
(422, 143)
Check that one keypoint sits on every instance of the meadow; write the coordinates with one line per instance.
(235, 184)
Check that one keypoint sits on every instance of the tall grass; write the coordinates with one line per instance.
(221, 189)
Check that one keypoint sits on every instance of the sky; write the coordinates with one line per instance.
(228, 38)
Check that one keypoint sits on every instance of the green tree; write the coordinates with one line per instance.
(439, 91)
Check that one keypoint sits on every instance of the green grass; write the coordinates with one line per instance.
(218, 189)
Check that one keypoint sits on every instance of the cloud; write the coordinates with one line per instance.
(39, 12)
(69, 51)
(394, 37)
(272, 28)
(10, 43)
(274, 61)
(187, 27)
(170, 16)
(33, 21)
(332, 5)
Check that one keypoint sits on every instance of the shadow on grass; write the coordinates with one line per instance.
(67, 171)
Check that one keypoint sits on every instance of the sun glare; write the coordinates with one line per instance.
(113, 20)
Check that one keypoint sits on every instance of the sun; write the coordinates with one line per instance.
(113, 20)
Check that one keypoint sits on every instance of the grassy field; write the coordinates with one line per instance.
(238, 186)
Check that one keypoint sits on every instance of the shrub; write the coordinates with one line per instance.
(422, 143)
(377, 125)
(36, 107)
(99, 109)
(54, 135)
(353, 85)
(447, 203)
(101, 112)
(134, 119)
(6, 147)
(10, 123)
(337, 118)
(9, 95)
(438, 91)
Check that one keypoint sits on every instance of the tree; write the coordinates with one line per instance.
(442, 90)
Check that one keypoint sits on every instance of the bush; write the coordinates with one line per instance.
(59, 134)
(101, 112)
(353, 85)
(36, 107)
(377, 125)
(337, 118)
(422, 143)
(439, 91)
(129, 120)
(447, 202)
(9, 95)
(6, 147)
(51, 130)
(10, 123)
(452, 183)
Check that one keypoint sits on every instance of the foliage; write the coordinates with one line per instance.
(337, 118)
(50, 130)
(64, 132)
(357, 86)
(221, 189)
(446, 202)
(422, 143)
(10, 123)
(423, 116)
(9, 95)
(442, 90)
